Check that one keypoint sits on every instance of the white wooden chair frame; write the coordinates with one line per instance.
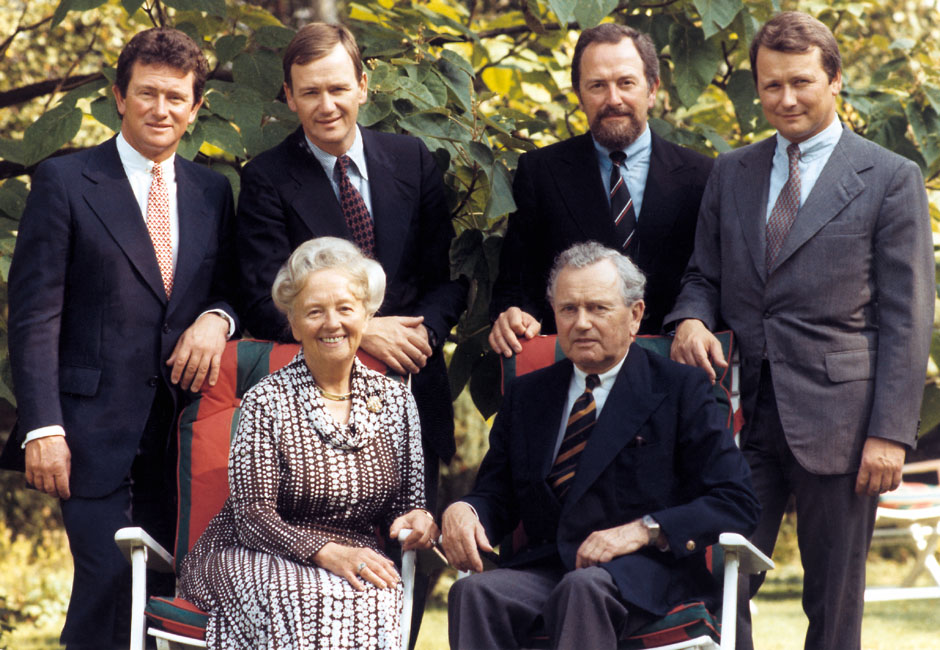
(917, 526)
(143, 551)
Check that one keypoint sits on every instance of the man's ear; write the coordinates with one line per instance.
(118, 99)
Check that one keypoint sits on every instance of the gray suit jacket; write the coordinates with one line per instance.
(844, 316)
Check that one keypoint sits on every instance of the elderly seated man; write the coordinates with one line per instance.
(618, 465)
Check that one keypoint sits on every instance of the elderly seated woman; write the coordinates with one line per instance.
(326, 451)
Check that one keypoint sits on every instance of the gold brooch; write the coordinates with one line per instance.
(374, 404)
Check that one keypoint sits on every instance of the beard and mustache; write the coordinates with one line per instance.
(616, 134)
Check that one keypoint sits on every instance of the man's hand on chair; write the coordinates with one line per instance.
(462, 537)
(604, 545)
(509, 326)
(694, 345)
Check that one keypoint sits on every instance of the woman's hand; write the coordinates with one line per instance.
(423, 529)
(355, 563)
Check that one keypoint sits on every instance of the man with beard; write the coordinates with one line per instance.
(620, 185)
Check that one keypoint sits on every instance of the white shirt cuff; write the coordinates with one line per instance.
(44, 432)
(228, 319)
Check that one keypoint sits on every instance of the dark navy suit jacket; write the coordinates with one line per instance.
(561, 201)
(90, 325)
(286, 199)
(659, 447)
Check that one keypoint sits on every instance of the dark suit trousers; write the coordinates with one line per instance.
(99, 608)
(504, 608)
(834, 530)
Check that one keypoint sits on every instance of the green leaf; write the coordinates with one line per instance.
(66, 6)
(500, 200)
(589, 13)
(229, 46)
(484, 384)
(131, 6)
(435, 125)
(273, 36)
(231, 174)
(260, 71)
(563, 9)
(50, 132)
(375, 110)
(416, 93)
(717, 14)
(242, 106)
(223, 135)
(743, 96)
(13, 151)
(696, 61)
(191, 141)
(104, 110)
(13, 194)
(456, 78)
(211, 7)
(85, 90)
(933, 96)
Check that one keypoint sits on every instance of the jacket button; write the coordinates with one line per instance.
(152, 381)
(166, 328)
(690, 546)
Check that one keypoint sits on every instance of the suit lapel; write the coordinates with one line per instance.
(629, 405)
(195, 227)
(660, 200)
(751, 206)
(545, 416)
(837, 185)
(579, 183)
(311, 195)
(391, 190)
(111, 199)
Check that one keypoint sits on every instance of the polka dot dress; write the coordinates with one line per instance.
(298, 480)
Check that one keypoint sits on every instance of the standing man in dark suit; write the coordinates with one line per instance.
(618, 500)
(814, 246)
(116, 307)
(644, 203)
(382, 191)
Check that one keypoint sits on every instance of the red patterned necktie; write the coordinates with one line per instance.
(354, 209)
(577, 431)
(621, 205)
(158, 225)
(785, 209)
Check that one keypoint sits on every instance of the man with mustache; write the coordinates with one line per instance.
(620, 184)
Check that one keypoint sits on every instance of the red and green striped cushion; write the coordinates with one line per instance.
(684, 622)
(177, 616)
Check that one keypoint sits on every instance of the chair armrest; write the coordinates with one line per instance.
(408, 587)
(752, 560)
(131, 538)
(921, 466)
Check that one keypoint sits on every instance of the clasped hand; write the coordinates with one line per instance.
(357, 563)
(400, 342)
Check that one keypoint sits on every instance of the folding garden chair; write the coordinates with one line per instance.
(690, 625)
(206, 428)
(910, 516)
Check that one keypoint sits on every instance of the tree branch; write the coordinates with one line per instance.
(32, 91)
(22, 28)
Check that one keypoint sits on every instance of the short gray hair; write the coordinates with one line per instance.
(632, 280)
(368, 278)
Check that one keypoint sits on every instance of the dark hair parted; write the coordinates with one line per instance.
(613, 33)
(316, 40)
(163, 46)
(797, 32)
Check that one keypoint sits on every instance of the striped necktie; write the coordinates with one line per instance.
(354, 209)
(158, 225)
(785, 209)
(577, 431)
(621, 205)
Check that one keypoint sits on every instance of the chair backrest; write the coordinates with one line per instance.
(543, 351)
(207, 427)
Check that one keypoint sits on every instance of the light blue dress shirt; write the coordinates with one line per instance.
(358, 172)
(634, 170)
(814, 154)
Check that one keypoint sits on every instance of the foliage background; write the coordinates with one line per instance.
(480, 81)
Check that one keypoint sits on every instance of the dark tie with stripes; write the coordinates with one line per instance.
(354, 209)
(785, 209)
(621, 205)
(577, 431)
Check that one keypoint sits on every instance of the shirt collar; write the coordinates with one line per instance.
(817, 145)
(642, 145)
(135, 162)
(607, 377)
(356, 153)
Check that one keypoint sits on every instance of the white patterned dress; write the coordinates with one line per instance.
(298, 480)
